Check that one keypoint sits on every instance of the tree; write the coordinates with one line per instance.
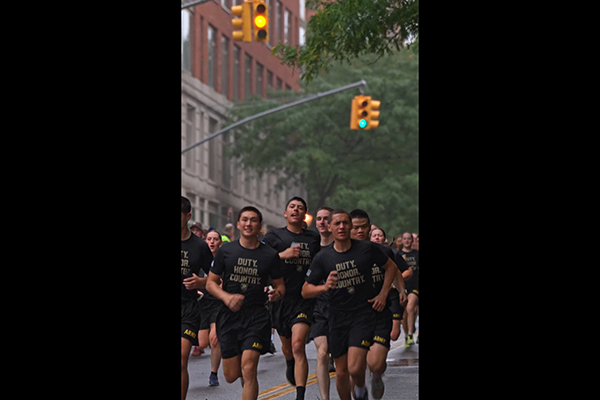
(376, 170)
(346, 29)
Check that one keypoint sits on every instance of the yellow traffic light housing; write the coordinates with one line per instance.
(372, 118)
(261, 21)
(243, 23)
(359, 112)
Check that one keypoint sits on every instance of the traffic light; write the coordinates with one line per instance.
(261, 21)
(372, 118)
(359, 112)
(243, 23)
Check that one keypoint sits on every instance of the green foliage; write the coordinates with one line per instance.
(376, 170)
(343, 30)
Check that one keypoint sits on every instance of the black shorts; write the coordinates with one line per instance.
(412, 287)
(383, 327)
(247, 329)
(350, 329)
(320, 322)
(190, 321)
(209, 310)
(396, 309)
(290, 311)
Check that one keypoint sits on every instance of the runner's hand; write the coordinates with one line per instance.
(290, 252)
(274, 295)
(192, 282)
(378, 302)
(234, 302)
(332, 280)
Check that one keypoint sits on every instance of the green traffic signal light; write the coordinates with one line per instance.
(362, 123)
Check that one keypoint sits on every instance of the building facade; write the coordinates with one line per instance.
(215, 72)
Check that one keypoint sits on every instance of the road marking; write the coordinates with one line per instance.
(285, 388)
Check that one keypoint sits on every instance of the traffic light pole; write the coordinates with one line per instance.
(316, 96)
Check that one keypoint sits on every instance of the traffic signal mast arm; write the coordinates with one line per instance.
(276, 109)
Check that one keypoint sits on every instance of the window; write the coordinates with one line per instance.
(269, 79)
(192, 198)
(278, 22)
(301, 38)
(259, 79)
(213, 214)
(225, 163)
(287, 27)
(279, 83)
(186, 40)
(190, 124)
(212, 56)
(225, 66)
(247, 76)
(212, 150)
(236, 72)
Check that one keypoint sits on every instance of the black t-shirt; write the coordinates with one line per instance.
(246, 271)
(294, 269)
(195, 256)
(355, 282)
(412, 259)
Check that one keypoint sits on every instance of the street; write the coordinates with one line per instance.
(401, 377)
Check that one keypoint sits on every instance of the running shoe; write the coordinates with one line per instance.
(410, 340)
(406, 344)
(272, 348)
(365, 397)
(213, 380)
(377, 386)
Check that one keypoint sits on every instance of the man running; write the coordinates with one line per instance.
(347, 270)
(319, 330)
(243, 323)
(292, 316)
(195, 256)
(376, 358)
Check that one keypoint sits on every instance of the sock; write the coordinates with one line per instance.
(213, 373)
(359, 391)
(300, 392)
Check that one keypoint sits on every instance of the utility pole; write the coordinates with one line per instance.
(316, 96)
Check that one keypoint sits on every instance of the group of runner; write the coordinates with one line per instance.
(339, 287)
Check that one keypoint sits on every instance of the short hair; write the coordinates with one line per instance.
(297, 198)
(250, 208)
(186, 206)
(358, 213)
(339, 211)
(329, 209)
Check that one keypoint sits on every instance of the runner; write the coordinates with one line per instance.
(346, 269)
(319, 330)
(397, 307)
(376, 358)
(412, 285)
(243, 324)
(195, 256)
(210, 306)
(293, 315)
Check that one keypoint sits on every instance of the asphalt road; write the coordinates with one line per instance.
(401, 378)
